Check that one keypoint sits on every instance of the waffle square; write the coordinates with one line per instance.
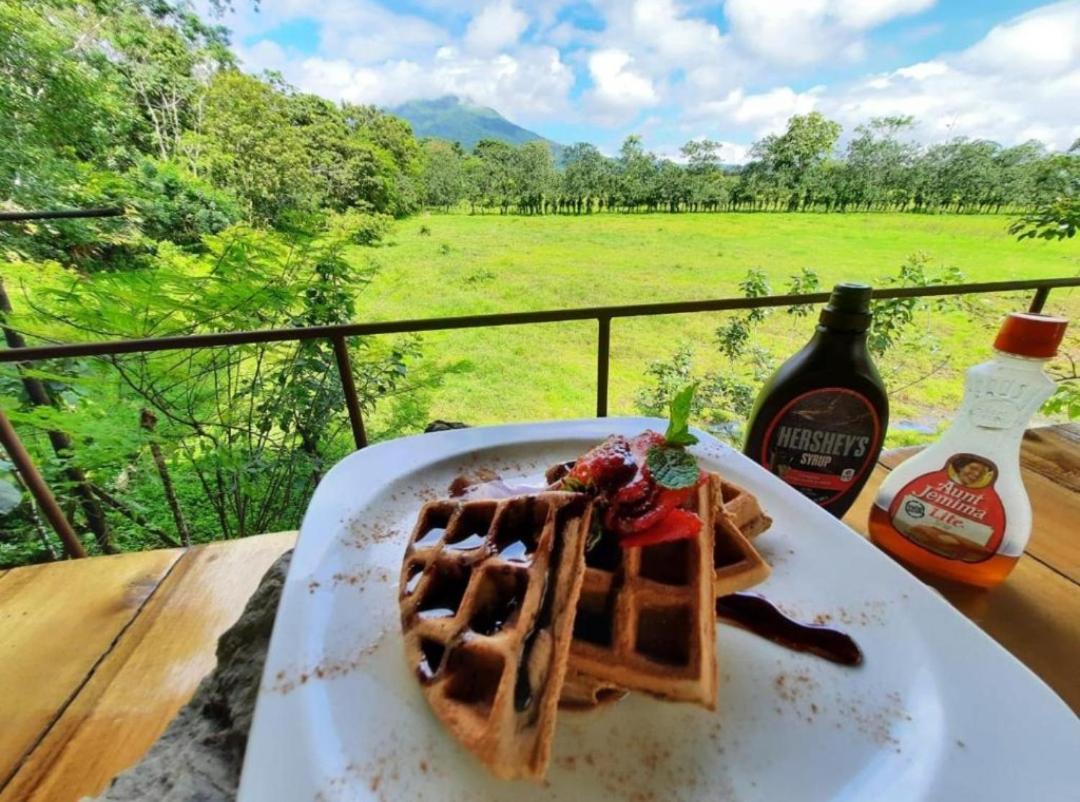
(487, 595)
(743, 510)
(645, 618)
(736, 563)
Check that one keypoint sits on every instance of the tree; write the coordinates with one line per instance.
(495, 174)
(1057, 212)
(534, 176)
(584, 177)
(250, 146)
(789, 159)
(878, 165)
(443, 174)
(636, 177)
(706, 187)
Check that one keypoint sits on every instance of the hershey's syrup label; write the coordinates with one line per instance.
(822, 442)
(955, 512)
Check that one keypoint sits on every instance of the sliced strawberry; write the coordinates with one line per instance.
(646, 513)
(678, 525)
(607, 465)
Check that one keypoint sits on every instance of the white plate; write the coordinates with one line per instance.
(938, 711)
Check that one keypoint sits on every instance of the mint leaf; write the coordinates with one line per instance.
(596, 531)
(672, 467)
(678, 430)
(572, 485)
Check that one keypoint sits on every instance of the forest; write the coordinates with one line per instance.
(249, 204)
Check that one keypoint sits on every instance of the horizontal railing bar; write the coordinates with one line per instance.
(59, 214)
(233, 338)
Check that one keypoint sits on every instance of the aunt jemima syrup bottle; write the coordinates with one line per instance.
(819, 420)
(959, 509)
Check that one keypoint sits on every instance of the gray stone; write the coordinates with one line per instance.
(199, 756)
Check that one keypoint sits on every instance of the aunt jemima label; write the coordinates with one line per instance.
(822, 442)
(955, 513)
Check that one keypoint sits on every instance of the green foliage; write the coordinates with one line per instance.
(734, 335)
(805, 282)
(1065, 400)
(1057, 211)
(363, 228)
(174, 205)
(247, 430)
(894, 317)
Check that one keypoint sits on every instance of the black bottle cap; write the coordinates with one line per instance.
(848, 308)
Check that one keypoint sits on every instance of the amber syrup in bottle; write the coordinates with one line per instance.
(958, 509)
(820, 420)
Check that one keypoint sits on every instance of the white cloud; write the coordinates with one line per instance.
(618, 91)
(498, 26)
(1042, 43)
(664, 28)
(761, 113)
(1021, 81)
(800, 32)
(531, 84)
(862, 14)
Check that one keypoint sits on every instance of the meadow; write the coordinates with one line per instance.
(456, 264)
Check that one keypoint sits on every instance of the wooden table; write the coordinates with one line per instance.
(97, 656)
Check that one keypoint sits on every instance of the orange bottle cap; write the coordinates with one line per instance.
(1031, 335)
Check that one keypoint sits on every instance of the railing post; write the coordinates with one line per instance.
(603, 359)
(38, 489)
(1039, 301)
(352, 402)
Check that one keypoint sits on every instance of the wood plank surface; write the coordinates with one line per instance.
(1055, 531)
(1054, 452)
(56, 621)
(150, 673)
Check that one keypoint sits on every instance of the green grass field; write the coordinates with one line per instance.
(437, 265)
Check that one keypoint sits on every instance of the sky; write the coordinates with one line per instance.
(673, 71)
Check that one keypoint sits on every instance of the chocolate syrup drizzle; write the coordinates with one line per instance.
(758, 615)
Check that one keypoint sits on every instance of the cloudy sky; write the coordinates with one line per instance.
(674, 71)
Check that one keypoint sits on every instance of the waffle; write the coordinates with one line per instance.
(487, 594)
(743, 510)
(645, 619)
(582, 692)
(736, 563)
(738, 567)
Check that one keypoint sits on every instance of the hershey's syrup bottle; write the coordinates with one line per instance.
(819, 421)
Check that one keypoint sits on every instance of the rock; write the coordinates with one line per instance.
(199, 756)
(444, 425)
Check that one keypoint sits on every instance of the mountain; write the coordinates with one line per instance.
(459, 120)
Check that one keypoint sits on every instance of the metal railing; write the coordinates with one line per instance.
(337, 335)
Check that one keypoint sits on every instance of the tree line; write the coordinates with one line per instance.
(799, 170)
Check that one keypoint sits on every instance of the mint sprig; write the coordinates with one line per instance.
(678, 430)
(671, 467)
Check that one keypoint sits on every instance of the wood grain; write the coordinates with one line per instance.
(150, 673)
(1054, 452)
(56, 621)
(1055, 532)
